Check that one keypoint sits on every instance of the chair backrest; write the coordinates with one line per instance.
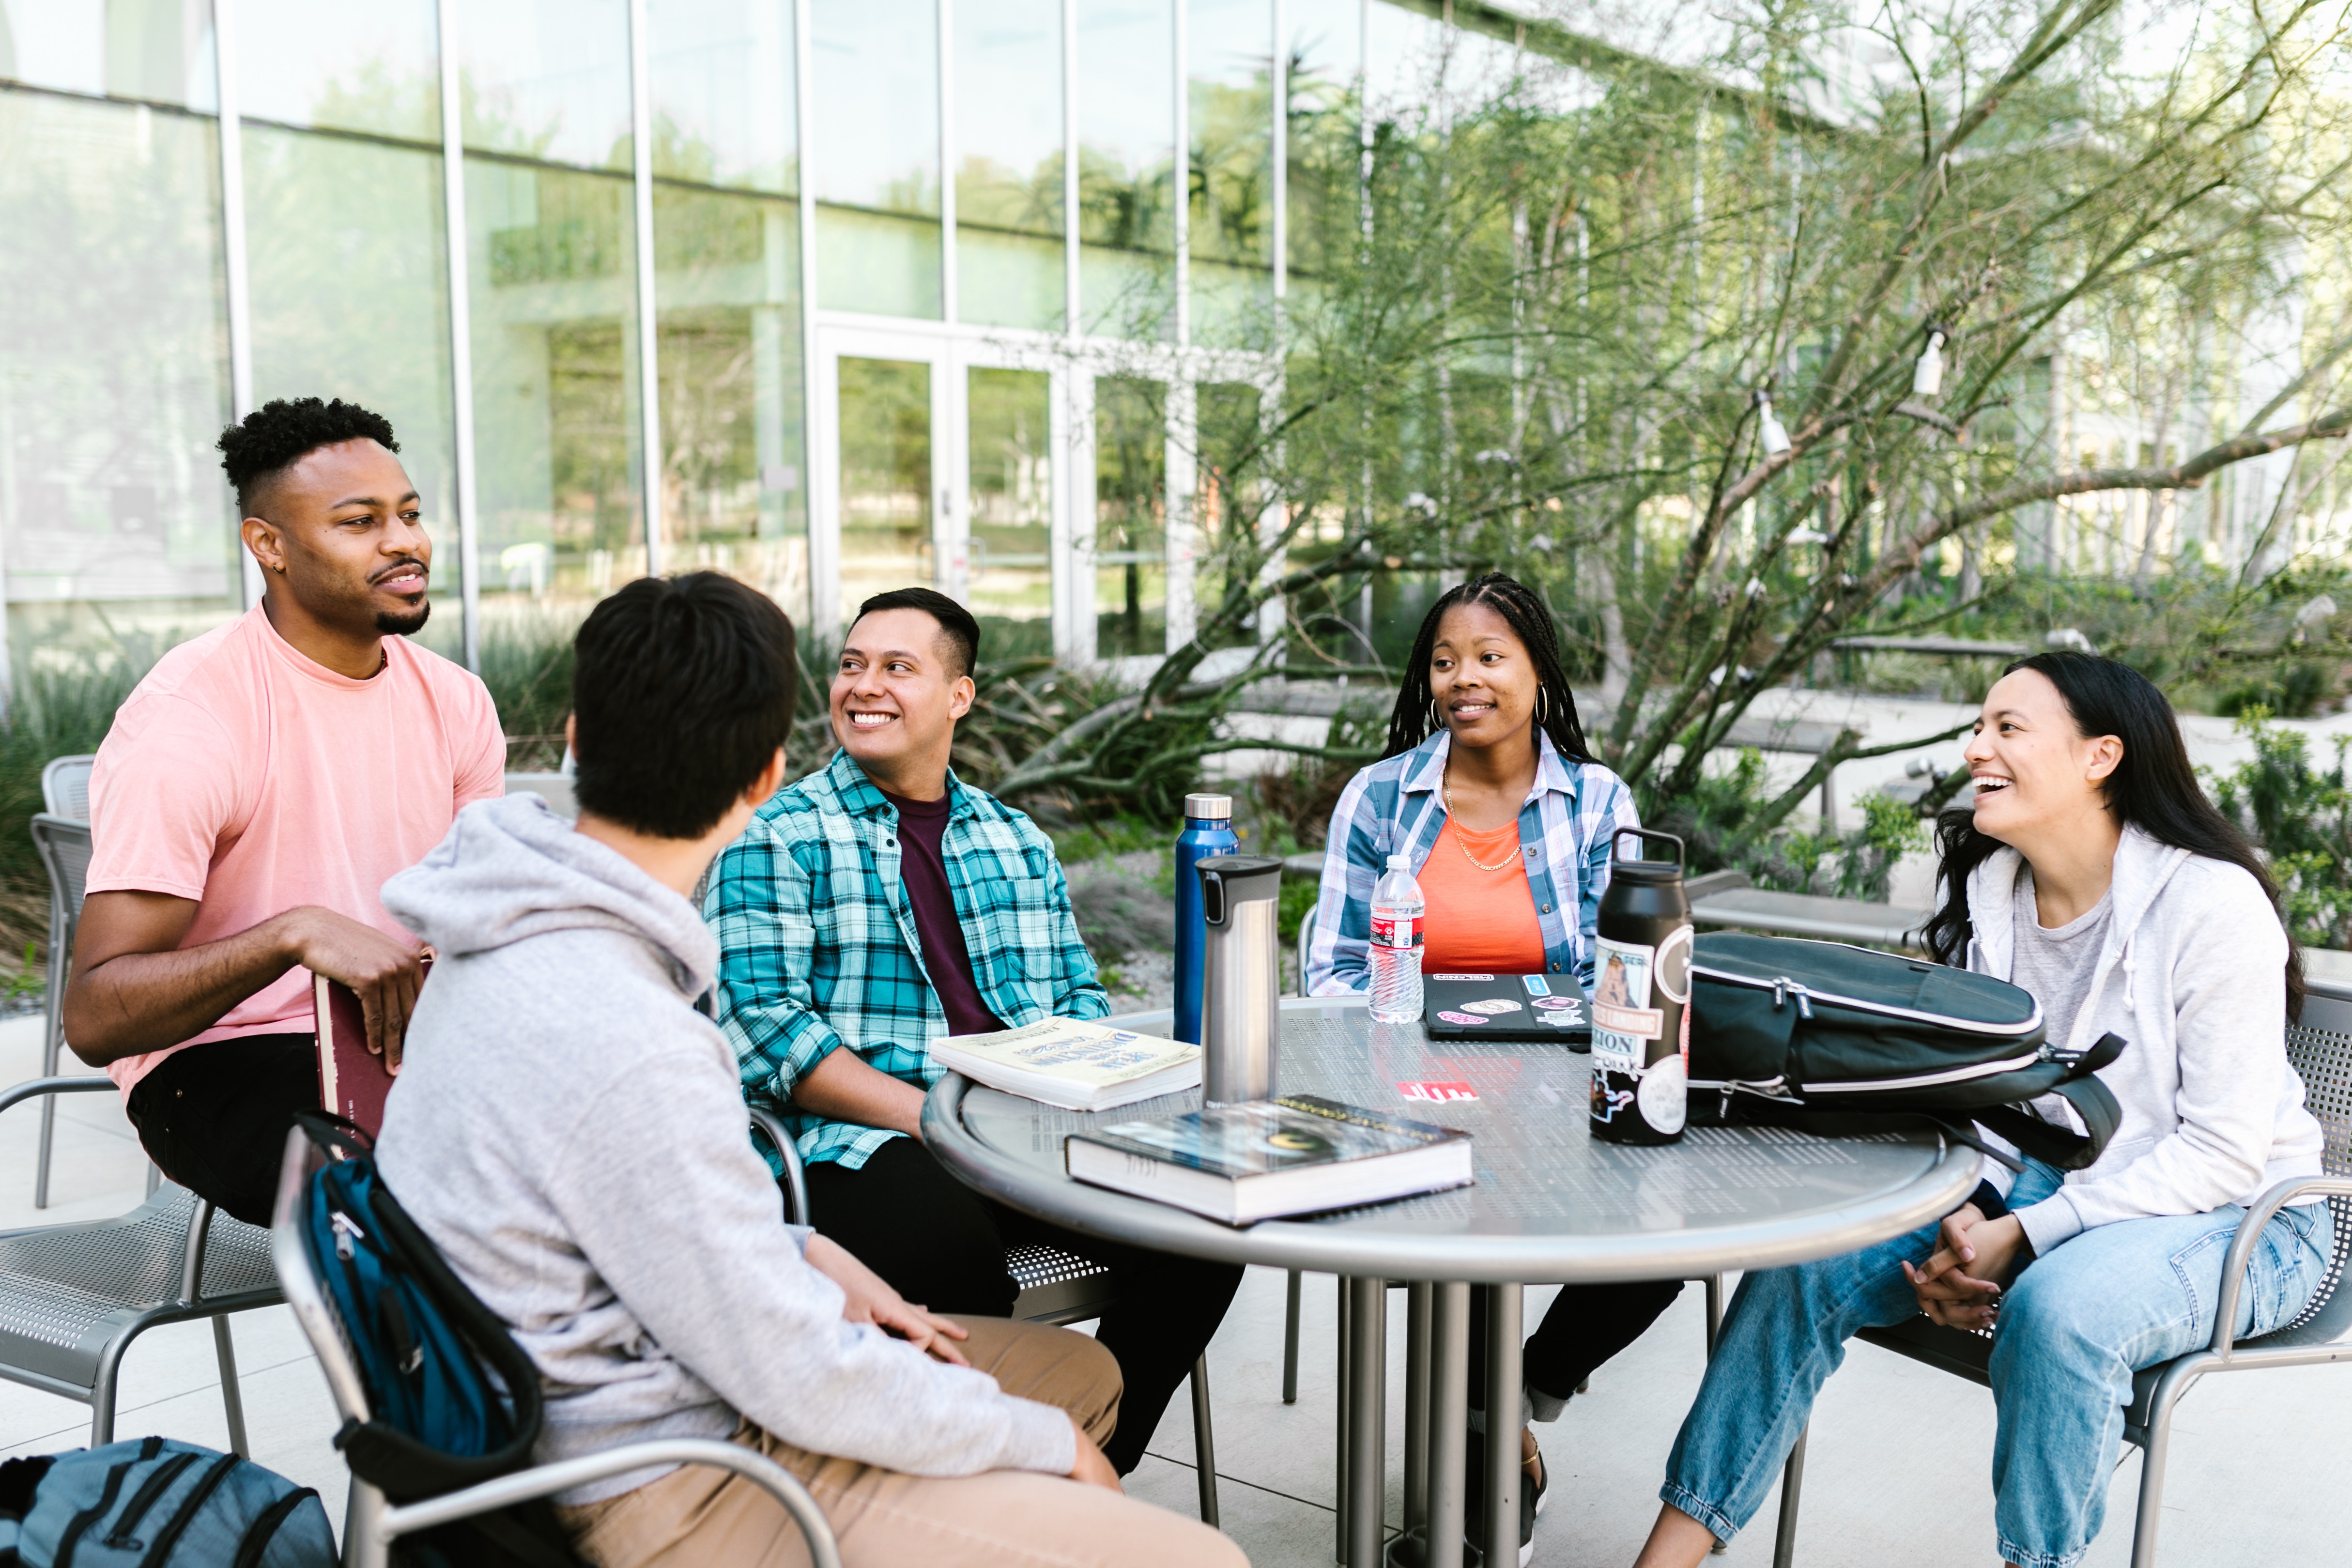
(64, 787)
(64, 846)
(330, 1342)
(2319, 1044)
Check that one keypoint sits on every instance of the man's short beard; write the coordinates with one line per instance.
(406, 624)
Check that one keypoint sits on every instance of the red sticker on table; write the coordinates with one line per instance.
(1437, 1092)
(1464, 1018)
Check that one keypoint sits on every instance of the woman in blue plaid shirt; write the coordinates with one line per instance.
(1507, 816)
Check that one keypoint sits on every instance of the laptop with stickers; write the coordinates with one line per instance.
(1505, 1007)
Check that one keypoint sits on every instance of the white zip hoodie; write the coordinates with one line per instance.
(2191, 975)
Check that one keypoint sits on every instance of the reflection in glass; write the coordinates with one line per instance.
(728, 270)
(886, 478)
(1326, 50)
(1229, 118)
(878, 155)
(728, 282)
(546, 78)
(373, 68)
(1228, 500)
(1008, 81)
(555, 424)
(1011, 582)
(344, 240)
(1130, 517)
(723, 86)
(160, 51)
(1127, 166)
(113, 375)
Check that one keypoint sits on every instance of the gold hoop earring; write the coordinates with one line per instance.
(1434, 725)
(1543, 707)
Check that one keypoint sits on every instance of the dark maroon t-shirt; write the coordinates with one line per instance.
(924, 874)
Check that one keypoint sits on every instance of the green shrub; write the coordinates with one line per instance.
(2301, 816)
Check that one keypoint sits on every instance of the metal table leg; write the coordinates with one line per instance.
(1449, 1410)
(1366, 1419)
(1340, 1403)
(1503, 1375)
(1417, 1296)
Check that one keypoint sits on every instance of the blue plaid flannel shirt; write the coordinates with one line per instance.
(1565, 829)
(818, 949)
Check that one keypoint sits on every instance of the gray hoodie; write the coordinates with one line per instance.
(2191, 975)
(570, 1131)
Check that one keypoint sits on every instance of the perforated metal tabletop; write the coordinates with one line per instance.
(1551, 1202)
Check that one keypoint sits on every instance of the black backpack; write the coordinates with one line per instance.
(1792, 1032)
(453, 1400)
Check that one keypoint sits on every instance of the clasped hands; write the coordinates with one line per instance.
(1960, 1284)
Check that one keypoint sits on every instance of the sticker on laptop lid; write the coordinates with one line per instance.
(1457, 977)
(1537, 984)
(1555, 1004)
(1494, 1006)
(1454, 1017)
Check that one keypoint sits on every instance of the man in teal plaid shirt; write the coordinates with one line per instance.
(875, 906)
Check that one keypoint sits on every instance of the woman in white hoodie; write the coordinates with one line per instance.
(2092, 871)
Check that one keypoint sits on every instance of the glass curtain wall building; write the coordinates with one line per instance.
(567, 246)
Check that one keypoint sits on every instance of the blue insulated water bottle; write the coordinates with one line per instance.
(1208, 830)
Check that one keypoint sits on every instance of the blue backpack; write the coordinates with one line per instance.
(453, 1401)
(155, 1504)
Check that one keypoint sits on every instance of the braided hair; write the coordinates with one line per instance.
(1531, 623)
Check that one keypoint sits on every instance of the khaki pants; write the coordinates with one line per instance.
(700, 1517)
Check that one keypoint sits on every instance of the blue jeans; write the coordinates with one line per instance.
(2074, 1326)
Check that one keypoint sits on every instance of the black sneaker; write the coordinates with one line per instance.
(1531, 1502)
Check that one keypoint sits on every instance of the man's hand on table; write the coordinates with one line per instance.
(870, 1299)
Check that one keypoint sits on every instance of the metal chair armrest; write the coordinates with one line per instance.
(2241, 1249)
(796, 1199)
(545, 1481)
(34, 1088)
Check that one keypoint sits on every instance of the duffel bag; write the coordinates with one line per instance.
(1781, 1026)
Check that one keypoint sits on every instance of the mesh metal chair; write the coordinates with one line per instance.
(1056, 1287)
(64, 787)
(2320, 1045)
(64, 846)
(371, 1523)
(73, 1297)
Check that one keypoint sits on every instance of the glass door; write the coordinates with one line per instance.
(883, 489)
(941, 467)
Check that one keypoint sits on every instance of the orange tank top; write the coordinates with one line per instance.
(1479, 922)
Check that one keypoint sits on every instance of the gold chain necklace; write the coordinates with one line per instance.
(1445, 788)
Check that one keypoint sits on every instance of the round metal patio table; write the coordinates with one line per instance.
(1551, 1204)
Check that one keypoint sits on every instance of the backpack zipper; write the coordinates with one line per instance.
(345, 1228)
(119, 1537)
(169, 1536)
(1926, 1080)
(1782, 989)
(81, 1524)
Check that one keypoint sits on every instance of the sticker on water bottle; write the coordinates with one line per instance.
(1624, 1022)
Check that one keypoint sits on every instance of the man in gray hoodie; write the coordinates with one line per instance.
(567, 1128)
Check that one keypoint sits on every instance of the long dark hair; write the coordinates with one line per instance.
(1531, 623)
(2153, 789)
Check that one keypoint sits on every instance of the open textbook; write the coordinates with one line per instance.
(1073, 1064)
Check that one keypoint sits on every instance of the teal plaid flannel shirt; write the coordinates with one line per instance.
(818, 949)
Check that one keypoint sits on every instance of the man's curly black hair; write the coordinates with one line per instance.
(282, 432)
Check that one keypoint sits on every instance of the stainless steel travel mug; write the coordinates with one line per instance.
(1240, 1025)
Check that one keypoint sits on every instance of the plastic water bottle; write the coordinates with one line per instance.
(1396, 945)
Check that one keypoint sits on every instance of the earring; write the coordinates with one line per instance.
(1434, 725)
(1543, 707)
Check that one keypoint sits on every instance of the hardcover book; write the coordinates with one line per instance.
(1298, 1154)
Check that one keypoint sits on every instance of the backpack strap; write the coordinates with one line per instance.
(340, 1138)
(2054, 1145)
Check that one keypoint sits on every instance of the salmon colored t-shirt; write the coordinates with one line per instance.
(1474, 921)
(247, 776)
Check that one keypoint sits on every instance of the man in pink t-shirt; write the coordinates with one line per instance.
(256, 792)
